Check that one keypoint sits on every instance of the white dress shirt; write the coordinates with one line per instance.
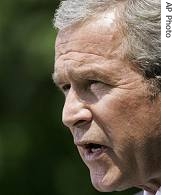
(149, 193)
(157, 193)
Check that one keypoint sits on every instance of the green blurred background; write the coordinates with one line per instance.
(37, 155)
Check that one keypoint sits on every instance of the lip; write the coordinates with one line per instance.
(92, 154)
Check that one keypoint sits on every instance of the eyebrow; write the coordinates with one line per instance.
(87, 73)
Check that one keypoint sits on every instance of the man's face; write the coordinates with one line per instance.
(108, 110)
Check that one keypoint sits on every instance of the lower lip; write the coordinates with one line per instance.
(92, 156)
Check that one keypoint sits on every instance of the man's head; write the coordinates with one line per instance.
(107, 64)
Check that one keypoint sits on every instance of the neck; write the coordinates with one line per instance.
(152, 185)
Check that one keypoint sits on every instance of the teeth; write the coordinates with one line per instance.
(96, 150)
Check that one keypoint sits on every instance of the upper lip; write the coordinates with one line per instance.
(84, 143)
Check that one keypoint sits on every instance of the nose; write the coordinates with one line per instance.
(75, 111)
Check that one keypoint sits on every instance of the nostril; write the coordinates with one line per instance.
(75, 114)
(81, 123)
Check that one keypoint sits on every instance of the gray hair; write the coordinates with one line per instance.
(142, 19)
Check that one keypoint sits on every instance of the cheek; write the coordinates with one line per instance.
(116, 113)
(127, 119)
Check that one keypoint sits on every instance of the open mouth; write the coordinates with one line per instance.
(94, 151)
(94, 148)
(91, 150)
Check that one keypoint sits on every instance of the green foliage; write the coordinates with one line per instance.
(37, 155)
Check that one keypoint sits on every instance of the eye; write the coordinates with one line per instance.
(66, 87)
(94, 84)
(97, 87)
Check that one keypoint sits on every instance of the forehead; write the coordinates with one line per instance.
(89, 46)
(101, 23)
(99, 35)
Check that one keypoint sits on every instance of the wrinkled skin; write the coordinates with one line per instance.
(108, 102)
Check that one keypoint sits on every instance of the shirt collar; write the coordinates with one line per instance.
(149, 193)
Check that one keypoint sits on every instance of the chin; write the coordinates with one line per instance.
(102, 187)
(107, 182)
